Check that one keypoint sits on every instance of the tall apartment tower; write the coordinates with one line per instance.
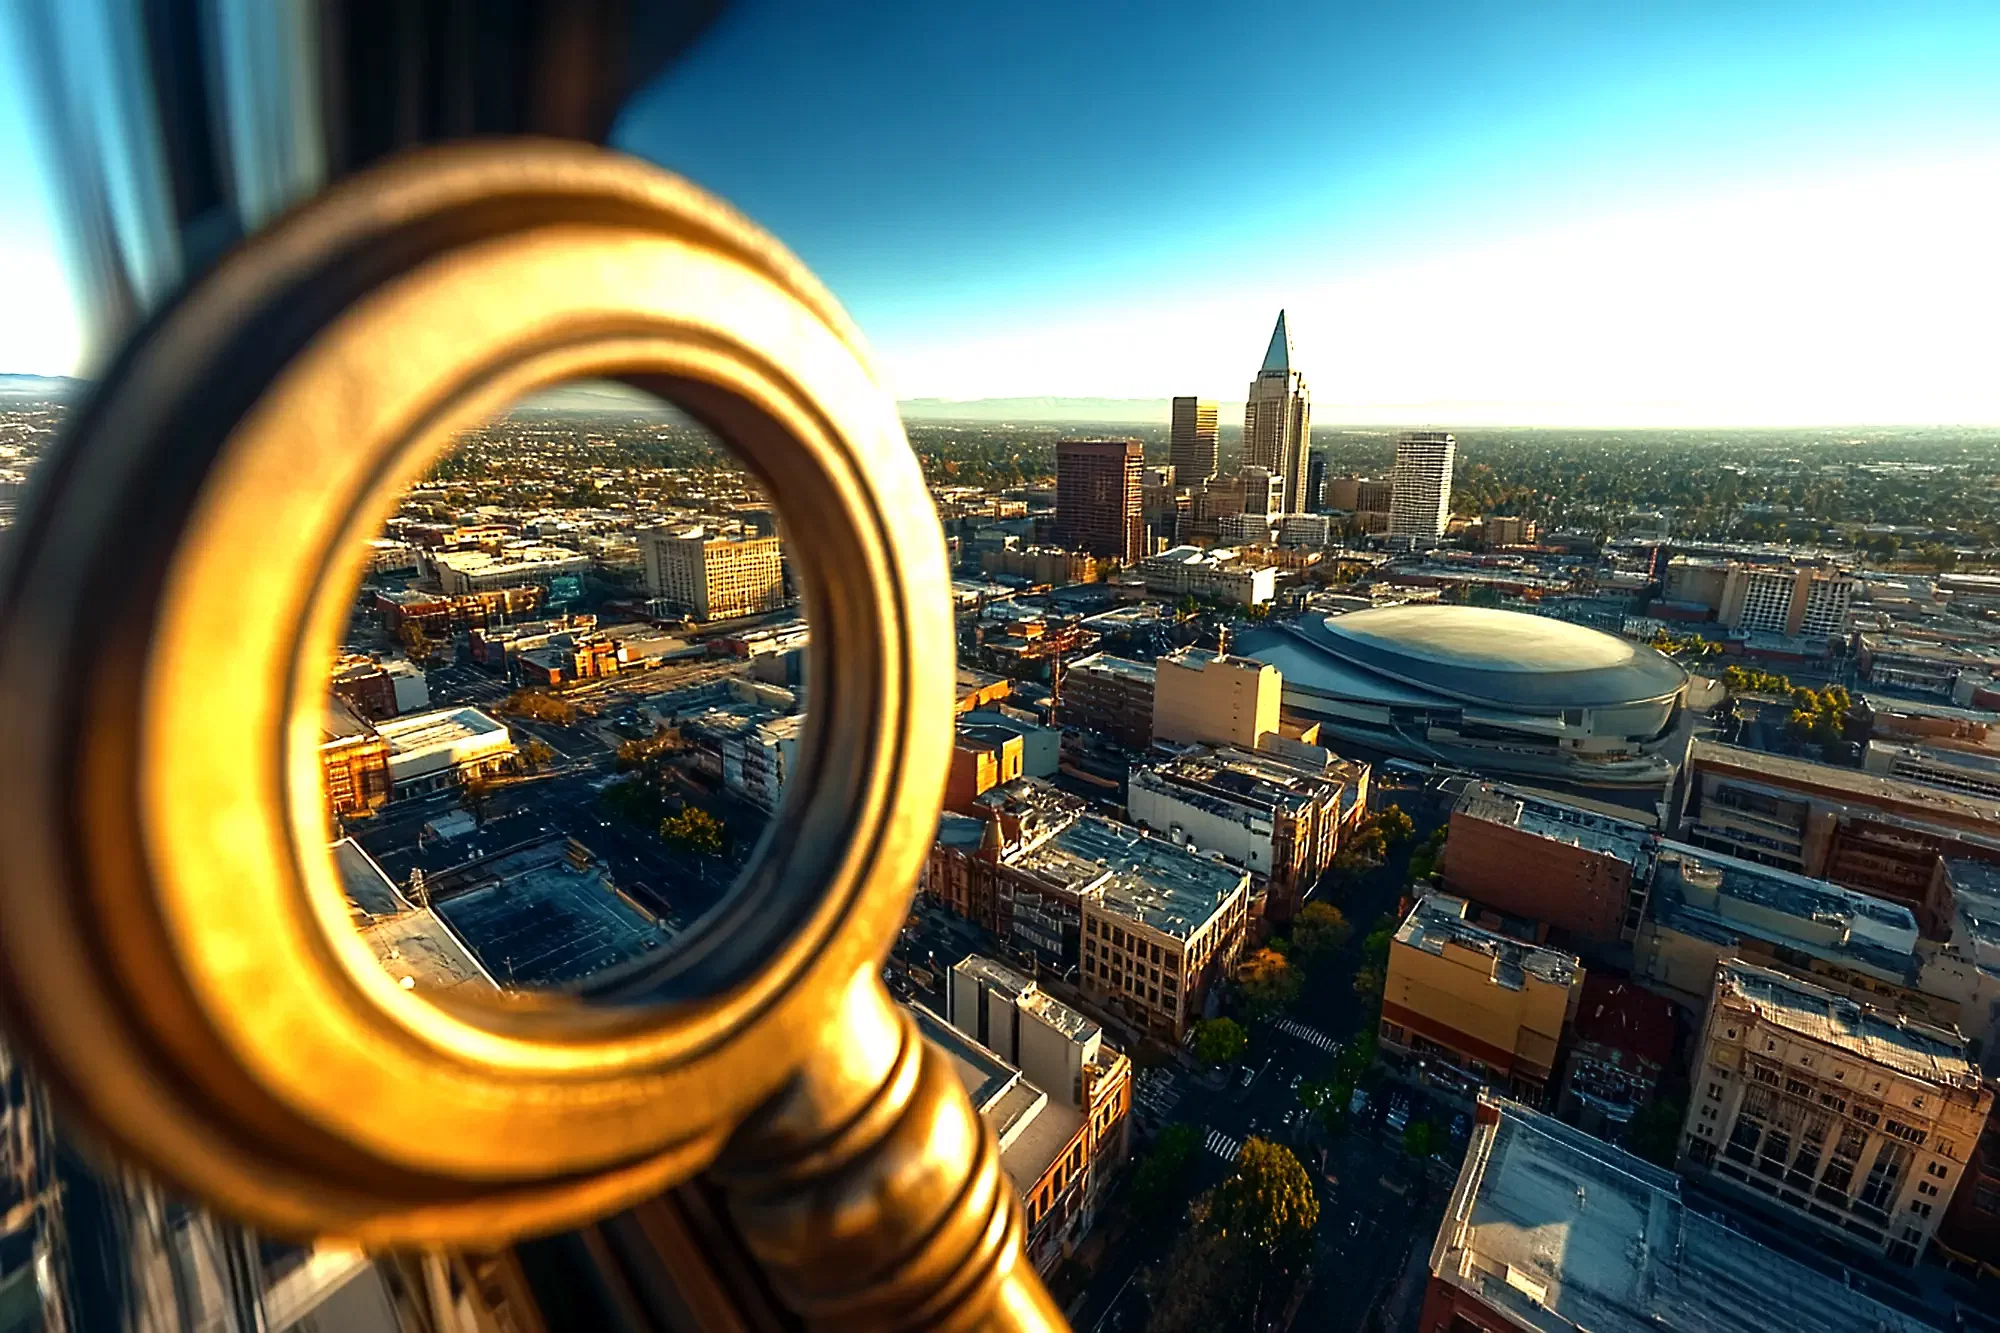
(1196, 454)
(1278, 417)
(1100, 497)
(713, 577)
(1420, 487)
(1314, 498)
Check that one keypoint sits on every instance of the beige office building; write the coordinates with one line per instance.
(1855, 1120)
(713, 577)
(1277, 418)
(1195, 452)
(1207, 698)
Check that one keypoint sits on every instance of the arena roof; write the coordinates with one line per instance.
(1475, 654)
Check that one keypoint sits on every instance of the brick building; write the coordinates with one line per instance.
(1620, 1043)
(1111, 696)
(1590, 870)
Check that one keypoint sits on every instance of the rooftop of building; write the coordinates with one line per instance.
(1033, 1127)
(370, 893)
(1973, 764)
(961, 833)
(1934, 1055)
(971, 682)
(1225, 779)
(1166, 888)
(1591, 830)
(1845, 783)
(439, 729)
(1561, 1231)
(1439, 918)
(537, 920)
(341, 723)
(1625, 1017)
(1201, 659)
(1723, 898)
(1892, 706)
(1212, 557)
(1104, 664)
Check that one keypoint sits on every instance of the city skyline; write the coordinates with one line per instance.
(1703, 218)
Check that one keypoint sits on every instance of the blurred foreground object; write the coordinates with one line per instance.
(748, 1132)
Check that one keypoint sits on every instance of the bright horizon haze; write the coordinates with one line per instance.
(1693, 214)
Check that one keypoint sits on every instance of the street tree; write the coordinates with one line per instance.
(1162, 1173)
(1320, 932)
(1420, 1138)
(1268, 1202)
(1396, 826)
(535, 752)
(476, 795)
(539, 706)
(1208, 1283)
(1268, 984)
(1219, 1041)
(692, 829)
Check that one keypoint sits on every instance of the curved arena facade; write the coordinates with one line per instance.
(1496, 691)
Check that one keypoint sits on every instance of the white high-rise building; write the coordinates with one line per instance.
(1420, 487)
(1277, 418)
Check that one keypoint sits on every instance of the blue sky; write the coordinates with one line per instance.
(1601, 214)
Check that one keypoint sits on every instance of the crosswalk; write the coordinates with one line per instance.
(1311, 1036)
(1223, 1146)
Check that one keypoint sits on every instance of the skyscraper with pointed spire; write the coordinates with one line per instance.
(1277, 418)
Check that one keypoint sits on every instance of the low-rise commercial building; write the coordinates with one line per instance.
(1214, 575)
(1058, 1048)
(378, 688)
(1855, 1120)
(1707, 907)
(1466, 1008)
(1277, 819)
(1882, 835)
(1550, 1230)
(1971, 772)
(1057, 1154)
(1111, 696)
(431, 751)
(1041, 746)
(1159, 928)
(1041, 564)
(1208, 698)
(982, 757)
(473, 571)
(354, 761)
(1591, 870)
(1621, 1041)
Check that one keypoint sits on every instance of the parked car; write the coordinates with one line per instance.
(1357, 1105)
(1248, 1075)
(1399, 1114)
(1460, 1127)
(1296, 1080)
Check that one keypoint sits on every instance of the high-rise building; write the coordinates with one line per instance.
(713, 577)
(1310, 502)
(1420, 495)
(1196, 454)
(1278, 417)
(1100, 494)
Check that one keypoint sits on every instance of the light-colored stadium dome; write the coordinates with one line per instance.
(1482, 688)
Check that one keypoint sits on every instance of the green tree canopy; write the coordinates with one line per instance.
(1219, 1041)
(693, 829)
(539, 706)
(536, 752)
(1208, 1283)
(1319, 932)
(1268, 983)
(1267, 1201)
(1420, 1138)
(1161, 1174)
(1396, 826)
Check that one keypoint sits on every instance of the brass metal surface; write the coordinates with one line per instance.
(174, 947)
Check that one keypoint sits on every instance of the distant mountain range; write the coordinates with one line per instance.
(37, 388)
(1104, 411)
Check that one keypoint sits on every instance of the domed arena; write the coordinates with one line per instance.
(1496, 691)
